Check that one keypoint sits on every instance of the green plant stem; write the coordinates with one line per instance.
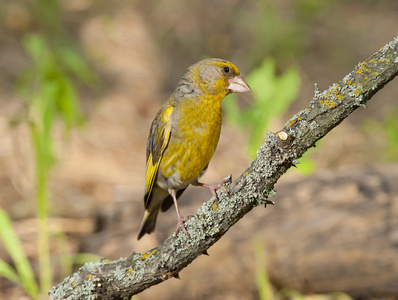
(42, 172)
(65, 259)
(44, 256)
(263, 285)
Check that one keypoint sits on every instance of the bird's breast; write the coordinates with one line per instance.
(194, 137)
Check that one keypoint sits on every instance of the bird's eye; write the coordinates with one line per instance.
(226, 70)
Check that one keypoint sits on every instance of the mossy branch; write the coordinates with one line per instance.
(128, 276)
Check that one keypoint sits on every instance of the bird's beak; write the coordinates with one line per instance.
(238, 85)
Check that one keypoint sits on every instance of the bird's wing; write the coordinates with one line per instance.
(157, 143)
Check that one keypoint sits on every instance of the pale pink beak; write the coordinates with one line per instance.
(238, 85)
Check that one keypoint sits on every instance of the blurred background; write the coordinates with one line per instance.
(80, 83)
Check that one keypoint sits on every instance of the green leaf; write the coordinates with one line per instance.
(68, 104)
(14, 249)
(8, 272)
(75, 63)
(35, 46)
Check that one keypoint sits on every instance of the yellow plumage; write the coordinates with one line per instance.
(185, 134)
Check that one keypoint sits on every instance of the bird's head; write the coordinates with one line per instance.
(216, 77)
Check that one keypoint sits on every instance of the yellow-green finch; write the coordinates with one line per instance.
(184, 136)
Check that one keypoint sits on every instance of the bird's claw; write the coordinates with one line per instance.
(180, 224)
(219, 186)
(214, 187)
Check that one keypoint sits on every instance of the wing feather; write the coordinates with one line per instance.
(157, 142)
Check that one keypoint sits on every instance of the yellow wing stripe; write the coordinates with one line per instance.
(151, 168)
(166, 114)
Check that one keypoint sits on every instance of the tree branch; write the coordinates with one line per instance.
(125, 277)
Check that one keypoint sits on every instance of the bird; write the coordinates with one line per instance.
(184, 135)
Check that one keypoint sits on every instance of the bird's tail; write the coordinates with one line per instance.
(153, 204)
(148, 222)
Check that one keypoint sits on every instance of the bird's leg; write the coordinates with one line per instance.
(180, 219)
(214, 187)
